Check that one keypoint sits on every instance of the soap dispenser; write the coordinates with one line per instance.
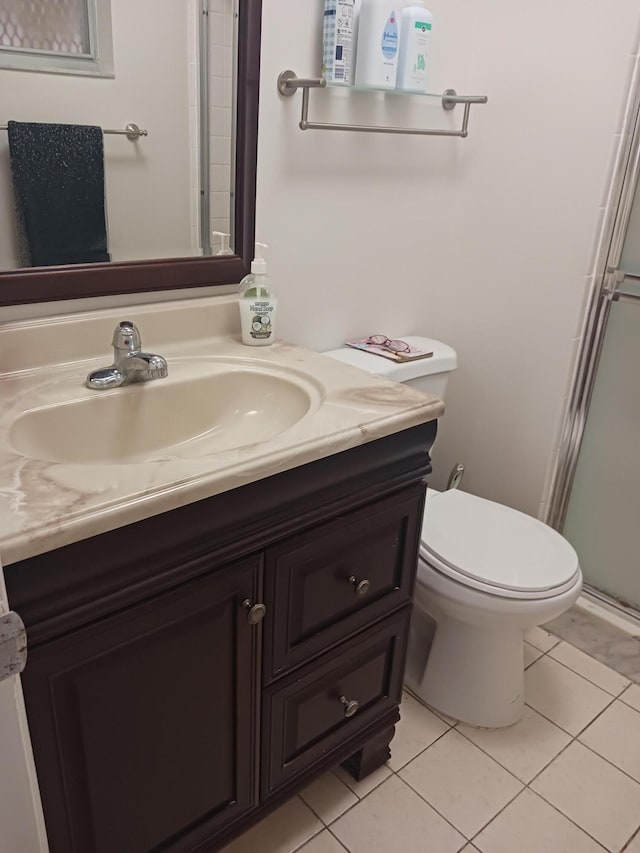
(224, 243)
(258, 303)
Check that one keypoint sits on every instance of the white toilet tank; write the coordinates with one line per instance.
(426, 374)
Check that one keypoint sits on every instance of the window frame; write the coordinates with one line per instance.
(97, 63)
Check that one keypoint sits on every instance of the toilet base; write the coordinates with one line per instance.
(473, 673)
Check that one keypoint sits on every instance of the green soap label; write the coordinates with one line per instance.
(422, 26)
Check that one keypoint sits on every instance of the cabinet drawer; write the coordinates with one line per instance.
(312, 711)
(312, 579)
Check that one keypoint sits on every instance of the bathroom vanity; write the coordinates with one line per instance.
(205, 641)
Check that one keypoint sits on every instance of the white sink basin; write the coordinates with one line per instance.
(184, 416)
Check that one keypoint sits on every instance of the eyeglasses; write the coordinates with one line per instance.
(389, 343)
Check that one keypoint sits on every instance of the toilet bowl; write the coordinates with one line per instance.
(486, 573)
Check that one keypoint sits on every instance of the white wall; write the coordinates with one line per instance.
(148, 182)
(485, 243)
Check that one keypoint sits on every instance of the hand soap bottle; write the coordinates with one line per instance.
(258, 303)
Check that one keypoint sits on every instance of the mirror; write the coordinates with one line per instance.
(163, 191)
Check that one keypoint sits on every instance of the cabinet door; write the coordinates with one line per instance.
(330, 582)
(143, 724)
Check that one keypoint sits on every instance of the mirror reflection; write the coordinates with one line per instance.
(156, 178)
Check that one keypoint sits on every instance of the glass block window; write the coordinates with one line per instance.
(56, 26)
(57, 36)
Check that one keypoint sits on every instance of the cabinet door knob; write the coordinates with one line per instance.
(255, 612)
(361, 587)
(350, 708)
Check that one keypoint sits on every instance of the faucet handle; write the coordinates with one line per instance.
(127, 337)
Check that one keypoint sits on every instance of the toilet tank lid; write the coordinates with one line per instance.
(443, 360)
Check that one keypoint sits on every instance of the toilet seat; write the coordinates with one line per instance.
(493, 548)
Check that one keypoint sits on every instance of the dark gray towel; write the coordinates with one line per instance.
(58, 182)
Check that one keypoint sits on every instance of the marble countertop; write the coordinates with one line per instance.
(45, 505)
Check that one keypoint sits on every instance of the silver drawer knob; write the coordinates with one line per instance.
(350, 708)
(361, 587)
(255, 612)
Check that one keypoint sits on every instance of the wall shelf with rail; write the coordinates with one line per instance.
(289, 83)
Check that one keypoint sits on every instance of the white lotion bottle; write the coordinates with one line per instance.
(258, 303)
(378, 43)
(415, 48)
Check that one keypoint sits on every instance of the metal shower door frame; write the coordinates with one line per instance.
(607, 279)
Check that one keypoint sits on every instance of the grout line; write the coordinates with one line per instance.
(311, 837)
(344, 847)
(586, 678)
(566, 817)
(431, 806)
(504, 767)
(635, 835)
(418, 754)
(608, 761)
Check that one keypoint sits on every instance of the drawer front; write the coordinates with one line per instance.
(311, 712)
(336, 579)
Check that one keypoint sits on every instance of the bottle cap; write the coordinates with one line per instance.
(259, 264)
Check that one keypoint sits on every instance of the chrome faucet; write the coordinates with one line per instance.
(130, 364)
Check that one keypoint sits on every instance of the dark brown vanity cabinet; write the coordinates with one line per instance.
(166, 714)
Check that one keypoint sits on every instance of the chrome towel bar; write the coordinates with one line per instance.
(131, 131)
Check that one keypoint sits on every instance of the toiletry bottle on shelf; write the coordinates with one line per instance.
(258, 303)
(378, 41)
(338, 48)
(224, 243)
(415, 47)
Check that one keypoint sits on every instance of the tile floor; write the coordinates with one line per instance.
(565, 779)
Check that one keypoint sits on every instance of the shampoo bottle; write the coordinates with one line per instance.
(415, 45)
(258, 303)
(378, 42)
(339, 41)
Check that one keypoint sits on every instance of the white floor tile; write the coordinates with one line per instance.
(524, 749)
(417, 729)
(541, 639)
(631, 696)
(615, 735)
(328, 797)
(531, 654)
(593, 794)
(393, 819)
(529, 825)
(562, 696)
(590, 668)
(284, 831)
(366, 785)
(461, 782)
(634, 846)
(322, 843)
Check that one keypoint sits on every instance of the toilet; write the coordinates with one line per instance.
(486, 573)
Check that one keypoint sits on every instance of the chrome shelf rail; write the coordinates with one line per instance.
(131, 131)
(289, 83)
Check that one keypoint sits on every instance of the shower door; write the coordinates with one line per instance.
(603, 513)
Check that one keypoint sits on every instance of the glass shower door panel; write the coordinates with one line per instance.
(603, 518)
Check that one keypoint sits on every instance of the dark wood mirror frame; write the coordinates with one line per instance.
(49, 284)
